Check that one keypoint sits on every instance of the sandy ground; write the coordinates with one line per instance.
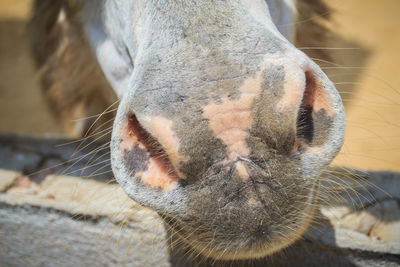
(368, 78)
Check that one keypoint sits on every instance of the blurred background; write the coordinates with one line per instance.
(365, 69)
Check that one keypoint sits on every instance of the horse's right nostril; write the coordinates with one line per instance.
(305, 122)
(316, 113)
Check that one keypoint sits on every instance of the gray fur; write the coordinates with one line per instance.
(172, 58)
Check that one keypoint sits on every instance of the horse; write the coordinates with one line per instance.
(223, 126)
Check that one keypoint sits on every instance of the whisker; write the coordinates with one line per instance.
(106, 110)
(97, 115)
(328, 48)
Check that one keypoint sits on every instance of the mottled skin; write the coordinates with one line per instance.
(223, 125)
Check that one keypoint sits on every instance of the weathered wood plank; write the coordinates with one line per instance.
(55, 220)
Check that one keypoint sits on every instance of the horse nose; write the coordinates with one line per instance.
(296, 110)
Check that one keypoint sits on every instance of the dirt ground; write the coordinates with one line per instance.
(367, 75)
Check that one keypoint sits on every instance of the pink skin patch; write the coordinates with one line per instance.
(316, 97)
(161, 129)
(294, 86)
(158, 176)
(304, 88)
(159, 173)
(323, 101)
(230, 121)
(129, 139)
(242, 170)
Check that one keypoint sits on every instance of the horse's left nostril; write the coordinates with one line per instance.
(305, 122)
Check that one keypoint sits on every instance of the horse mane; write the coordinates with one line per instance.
(311, 29)
(73, 81)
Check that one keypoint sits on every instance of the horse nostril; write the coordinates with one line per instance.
(145, 158)
(305, 121)
(135, 130)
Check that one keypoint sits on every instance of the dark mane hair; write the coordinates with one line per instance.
(71, 78)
